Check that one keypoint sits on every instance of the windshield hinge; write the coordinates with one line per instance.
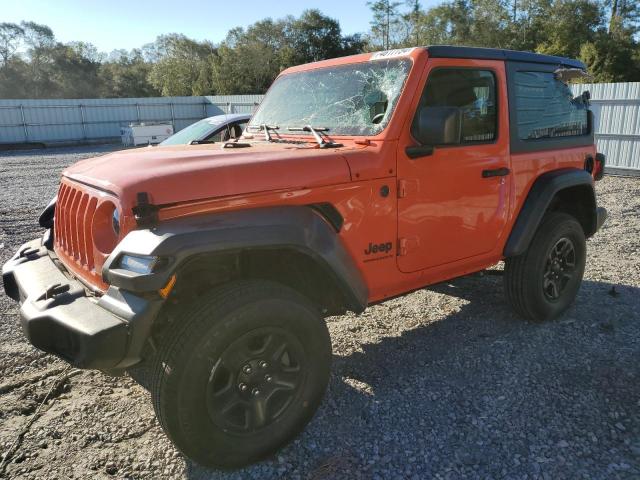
(145, 213)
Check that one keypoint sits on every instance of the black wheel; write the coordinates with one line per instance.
(543, 282)
(241, 373)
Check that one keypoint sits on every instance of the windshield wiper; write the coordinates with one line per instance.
(264, 128)
(201, 142)
(315, 131)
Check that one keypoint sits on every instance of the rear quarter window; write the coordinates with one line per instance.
(546, 107)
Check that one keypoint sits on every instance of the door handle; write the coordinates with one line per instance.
(498, 172)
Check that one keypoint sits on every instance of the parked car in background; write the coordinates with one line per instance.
(218, 128)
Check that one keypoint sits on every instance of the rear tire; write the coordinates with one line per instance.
(543, 282)
(241, 373)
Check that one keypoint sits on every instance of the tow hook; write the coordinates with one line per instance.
(54, 290)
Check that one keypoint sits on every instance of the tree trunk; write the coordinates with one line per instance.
(614, 15)
(386, 40)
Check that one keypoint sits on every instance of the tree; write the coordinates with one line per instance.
(526, 23)
(126, 75)
(460, 14)
(248, 61)
(385, 20)
(605, 34)
(182, 67)
(488, 24)
(624, 14)
(569, 25)
(10, 37)
(13, 78)
(313, 37)
(87, 50)
(40, 41)
(412, 20)
(613, 55)
(70, 74)
(38, 35)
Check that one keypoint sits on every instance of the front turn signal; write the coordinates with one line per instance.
(166, 290)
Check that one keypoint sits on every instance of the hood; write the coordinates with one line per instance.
(194, 172)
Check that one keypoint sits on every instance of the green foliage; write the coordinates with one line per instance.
(605, 34)
(248, 61)
(13, 79)
(569, 25)
(10, 36)
(126, 76)
(182, 67)
(385, 23)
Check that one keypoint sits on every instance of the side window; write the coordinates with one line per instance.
(218, 136)
(473, 91)
(229, 132)
(241, 126)
(546, 107)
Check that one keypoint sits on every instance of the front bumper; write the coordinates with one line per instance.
(60, 317)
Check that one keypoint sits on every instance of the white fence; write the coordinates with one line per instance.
(50, 121)
(616, 108)
(616, 112)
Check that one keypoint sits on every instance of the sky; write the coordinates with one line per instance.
(115, 24)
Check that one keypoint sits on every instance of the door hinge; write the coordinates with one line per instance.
(407, 244)
(407, 186)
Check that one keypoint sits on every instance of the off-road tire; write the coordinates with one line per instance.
(193, 353)
(524, 277)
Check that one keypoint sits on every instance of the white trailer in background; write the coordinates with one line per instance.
(145, 133)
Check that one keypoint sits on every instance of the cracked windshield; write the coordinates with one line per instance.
(356, 99)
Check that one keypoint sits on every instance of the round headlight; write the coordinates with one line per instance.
(105, 237)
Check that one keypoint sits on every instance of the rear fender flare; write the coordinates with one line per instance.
(540, 197)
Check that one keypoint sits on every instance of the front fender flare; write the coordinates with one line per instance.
(299, 228)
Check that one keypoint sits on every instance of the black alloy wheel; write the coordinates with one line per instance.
(255, 379)
(559, 269)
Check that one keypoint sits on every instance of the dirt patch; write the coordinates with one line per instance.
(446, 382)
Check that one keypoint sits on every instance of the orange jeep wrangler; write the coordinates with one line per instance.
(207, 269)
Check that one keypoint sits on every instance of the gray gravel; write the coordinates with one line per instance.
(443, 383)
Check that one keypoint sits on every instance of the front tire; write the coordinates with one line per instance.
(543, 282)
(241, 373)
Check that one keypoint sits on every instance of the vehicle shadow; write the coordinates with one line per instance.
(477, 392)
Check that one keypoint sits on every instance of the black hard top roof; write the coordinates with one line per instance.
(448, 51)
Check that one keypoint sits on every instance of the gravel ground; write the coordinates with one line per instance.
(443, 383)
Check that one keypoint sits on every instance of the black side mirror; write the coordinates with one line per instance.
(439, 126)
(434, 126)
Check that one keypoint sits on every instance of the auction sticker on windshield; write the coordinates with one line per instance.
(398, 52)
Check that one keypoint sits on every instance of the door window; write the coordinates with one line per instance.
(232, 131)
(473, 91)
